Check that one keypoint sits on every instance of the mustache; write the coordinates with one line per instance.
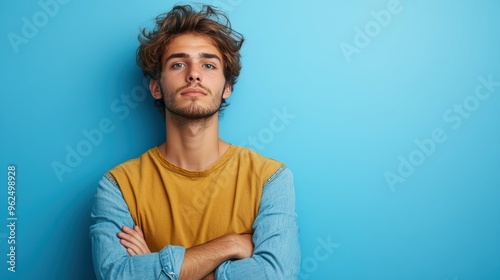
(191, 86)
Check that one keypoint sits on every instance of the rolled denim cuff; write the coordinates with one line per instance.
(171, 258)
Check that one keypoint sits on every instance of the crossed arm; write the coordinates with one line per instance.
(275, 255)
(200, 261)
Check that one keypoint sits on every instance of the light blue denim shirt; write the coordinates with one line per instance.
(276, 247)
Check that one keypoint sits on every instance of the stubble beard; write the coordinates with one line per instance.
(193, 113)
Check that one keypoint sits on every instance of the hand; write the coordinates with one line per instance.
(133, 241)
(244, 246)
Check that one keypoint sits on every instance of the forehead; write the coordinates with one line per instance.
(192, 44)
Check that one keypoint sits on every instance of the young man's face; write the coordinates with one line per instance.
(192, 81)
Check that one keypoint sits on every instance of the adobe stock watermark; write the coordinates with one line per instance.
(280, 120)
(364, 36)
(321, 253)
(91, 138)
(31, 26)
(453, 118)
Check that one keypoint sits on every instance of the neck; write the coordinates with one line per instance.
(193, 145)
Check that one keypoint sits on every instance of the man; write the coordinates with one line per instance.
(194, 207)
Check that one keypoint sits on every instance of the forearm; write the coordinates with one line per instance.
(111, 260)
(201, 261)
(277, 250)
(147, 266)
(276, 258)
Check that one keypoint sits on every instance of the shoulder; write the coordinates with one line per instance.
(250, 154)
(254, 157)
(131, 166)
(259, 163)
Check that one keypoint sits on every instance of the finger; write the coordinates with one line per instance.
(128, 230)
(138, 229)
(133, 236)
(130, 247)
(123, 235)
(128, 238)
(136, 242)
(131, 252)
(137, 233)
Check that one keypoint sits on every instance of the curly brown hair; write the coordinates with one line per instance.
(184, 19)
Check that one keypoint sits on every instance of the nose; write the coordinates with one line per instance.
(194, 74)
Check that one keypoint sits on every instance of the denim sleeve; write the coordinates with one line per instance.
(111, 260)
(277, 252)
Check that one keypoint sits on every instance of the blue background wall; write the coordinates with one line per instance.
(382, 109)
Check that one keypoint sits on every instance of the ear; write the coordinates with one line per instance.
(154, 87)
(228, 89)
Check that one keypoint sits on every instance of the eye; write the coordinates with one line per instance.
(177, 65)
(209, 66)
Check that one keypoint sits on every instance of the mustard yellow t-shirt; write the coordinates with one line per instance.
(175, 206)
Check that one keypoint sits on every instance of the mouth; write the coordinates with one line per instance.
(193, 92)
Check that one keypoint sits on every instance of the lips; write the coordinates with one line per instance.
(193, 92)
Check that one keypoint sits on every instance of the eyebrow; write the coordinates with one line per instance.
(185, 55)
